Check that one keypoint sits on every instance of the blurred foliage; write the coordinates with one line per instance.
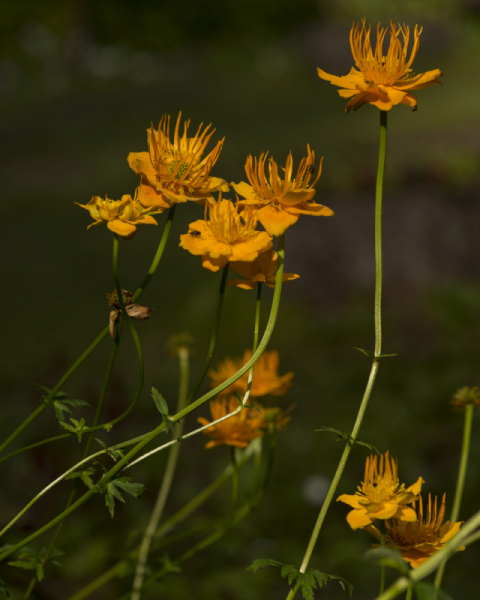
(80, 81)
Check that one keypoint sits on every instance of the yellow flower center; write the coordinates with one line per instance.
(376, 67)
(227, 225)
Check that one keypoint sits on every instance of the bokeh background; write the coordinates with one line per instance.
(80, 82)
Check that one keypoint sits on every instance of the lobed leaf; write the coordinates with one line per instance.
(261, 563)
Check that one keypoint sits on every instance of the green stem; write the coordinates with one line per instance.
(382, 563)
(164, 491)
(56, 389)
(158, 255)
(99, 339)
(35, 445)
(462, 471)
(122, 567)
(103, 481)
(377, 353)
(409, 594)
(261, 347)
(213, 337)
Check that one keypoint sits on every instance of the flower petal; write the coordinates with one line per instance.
(352, 500)
(276, 221)
(244, 189)
(123, 228)
(359, 518)
(311, 208)
(420, 81)
(214, 264)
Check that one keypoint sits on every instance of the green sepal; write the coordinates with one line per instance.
(348, 438)
(160, 402)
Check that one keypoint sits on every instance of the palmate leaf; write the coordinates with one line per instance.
(348, 438)
(78, 427)
(85, 476)
(4, 589)
(112, 491)
(30, 559)
(306, 582)
(61, 403)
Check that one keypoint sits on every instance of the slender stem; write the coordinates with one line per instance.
(158, 255)
(213, 337)
(382, 563)
(164, 491)
(104, 480)
(377, 353)
(462, 471)
(233, 462)
(35, 445)
(409, 593)
(57, 388)
(261, 347)
(99, 339)
(123, 567)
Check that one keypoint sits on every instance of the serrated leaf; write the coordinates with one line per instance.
(85, 476)
(389, 557)
(343, 582)
(261, 563)
(160, 402)
(113, 454)
(77, 428)
(426, 591)
(348, 438)
(4, 589)
(111, 491)
(30, 559)
(290, 572)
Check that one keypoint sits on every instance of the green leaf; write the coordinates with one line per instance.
(30, 560)
(85, 476)
(426, 591)
(290, 572)
(261, 563)
(343, 582)
(372, 354)
(113, 454)
(348, 438)
(112, 491)
(169, 565)
(78, 427)
(4, 589)
(160, 402)
(61, 403)
(388, 557)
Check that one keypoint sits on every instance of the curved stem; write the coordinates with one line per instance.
(377, 353)
(261, 347)
(56, 389)
(462, 471)
(35, 445)
(99, 339)
(164, 491)
(122, 567)
(213, 337)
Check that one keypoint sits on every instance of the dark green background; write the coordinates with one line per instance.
(80, 82)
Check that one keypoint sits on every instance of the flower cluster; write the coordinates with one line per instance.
(382, 496)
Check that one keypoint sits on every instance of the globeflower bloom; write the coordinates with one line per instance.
(177, 170)
(238, 430)
(381, 495)
(266, 380)
(262, 270)
(418, 541)
(225, 236)
(121, 216)
(383, 81)
(280, 202)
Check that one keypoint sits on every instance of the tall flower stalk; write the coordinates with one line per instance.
(377, 353)
(183, 357)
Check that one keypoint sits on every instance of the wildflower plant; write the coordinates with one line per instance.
(247, 236)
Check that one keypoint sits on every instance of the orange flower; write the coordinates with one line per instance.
(121, 216)
(177, 171)
(381, 496)
(265, 375)
(262, 270)
(383, 81)
(226, 236)
(281, 202)
(238, 430)
(418, 541)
